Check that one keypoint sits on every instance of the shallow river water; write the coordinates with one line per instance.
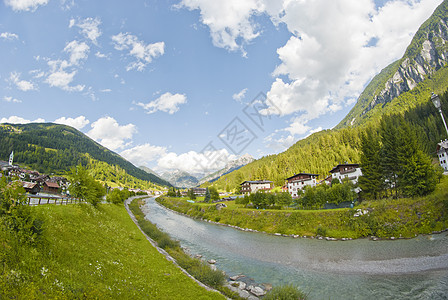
(358, 269)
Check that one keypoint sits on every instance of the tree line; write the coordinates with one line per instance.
(323, 150)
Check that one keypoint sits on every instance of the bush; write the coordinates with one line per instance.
(165, 242)
(286, 292)
(321, 231)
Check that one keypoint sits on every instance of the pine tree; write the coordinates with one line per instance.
(371, 182)
(207, 197)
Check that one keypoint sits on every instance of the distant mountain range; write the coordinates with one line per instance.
(230, 167)
(184, 179)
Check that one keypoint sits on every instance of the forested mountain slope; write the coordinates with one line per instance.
(404, 87)
(53, 148)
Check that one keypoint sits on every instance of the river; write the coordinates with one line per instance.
(358, 269)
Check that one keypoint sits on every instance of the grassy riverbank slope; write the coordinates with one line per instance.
(90, 253)
(384, 218)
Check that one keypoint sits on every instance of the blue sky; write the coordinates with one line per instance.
(191, 84)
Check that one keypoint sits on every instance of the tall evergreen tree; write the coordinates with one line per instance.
(371, 182)
(389, 155)
(207, 197)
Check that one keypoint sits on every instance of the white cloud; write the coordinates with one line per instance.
(20, 120)
(89, 28)
(101, 55)
(78, 123)
(240, 95)
(9, 36)
(110, 134)
(143, 53)
(194, 162)
(143, 155)
(22, 85)
(25, 5)
(59, 76)
(328, 60)
(62, 80)
(167, 103)
(230, 23)
(78, 51)
(11, 99)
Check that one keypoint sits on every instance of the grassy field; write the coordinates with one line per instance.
(90, 253)
(383, 218)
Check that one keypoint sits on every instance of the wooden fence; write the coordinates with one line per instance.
(39, 200)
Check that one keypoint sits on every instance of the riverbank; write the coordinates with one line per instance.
(382, 219)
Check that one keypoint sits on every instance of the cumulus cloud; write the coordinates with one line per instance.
(25, 5)
(143, 155)
(110, 134)
(195, 162)
(167, 103)
(11, 99)
(22, 85)
(78, 123)
(240, 95)
(143, 53)
(334, 49)
(8, 36)
(77, 51)
(89, 28)
(231, 24)
(62, 72)
(20, 120)
(62, 80)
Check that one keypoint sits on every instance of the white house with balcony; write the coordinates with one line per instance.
(248, 187)
(442, 154)
(346, 171)
(299, 182)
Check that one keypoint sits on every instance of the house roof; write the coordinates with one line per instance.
(443, 145)
(335, 169)
(256, 181)
(51, 184)
(295, 175)
(28, 185)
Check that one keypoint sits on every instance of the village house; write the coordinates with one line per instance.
(442, 154)
(248, 187)
(199, 191)
(349, 171)
(299, 182)
(50, 187)
(31, 187)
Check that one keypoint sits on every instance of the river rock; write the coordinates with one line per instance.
(198, 256)
(252, 297)
(267, 286)
(212, 261)
(242, 285)
(257, 291)
(236, 277)
(243, 294)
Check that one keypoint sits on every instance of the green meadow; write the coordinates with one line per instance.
(89, 253)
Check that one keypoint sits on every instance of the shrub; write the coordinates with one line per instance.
(322, 231)
(285, 292)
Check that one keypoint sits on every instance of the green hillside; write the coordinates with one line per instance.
(52, 148)
(89, 253)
